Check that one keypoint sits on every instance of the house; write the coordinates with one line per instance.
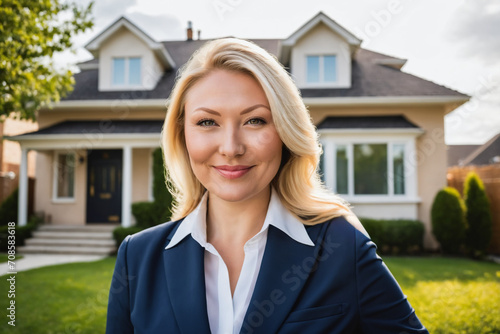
(382, 129)
(477, 155)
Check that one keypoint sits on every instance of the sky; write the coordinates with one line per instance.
(454, 43)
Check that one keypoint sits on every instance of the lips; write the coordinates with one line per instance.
(232, 172)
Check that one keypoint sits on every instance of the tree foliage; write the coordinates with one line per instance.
(479, 221)
(448, 220)
(31, 32)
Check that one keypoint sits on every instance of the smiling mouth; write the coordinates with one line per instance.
(232, 172)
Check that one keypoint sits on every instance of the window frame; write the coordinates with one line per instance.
(126, 74)
(321, 69)
(332, 138)
(55, 195)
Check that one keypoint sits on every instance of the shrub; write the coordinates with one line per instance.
(8, 208)
(448, 220)
(478, 215)
(22, 233)
(149, 214)
(120, 233)
(395, 236)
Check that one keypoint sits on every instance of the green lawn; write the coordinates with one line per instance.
(4, 257)
(450, 295)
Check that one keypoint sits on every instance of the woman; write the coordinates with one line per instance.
(256, 243)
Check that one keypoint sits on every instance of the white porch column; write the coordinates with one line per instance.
(22, 213)
(127, 187)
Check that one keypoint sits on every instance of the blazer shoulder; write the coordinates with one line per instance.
(342, 227)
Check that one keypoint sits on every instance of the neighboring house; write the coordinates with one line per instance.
(475, 155)
(10, 154)
(382, 130)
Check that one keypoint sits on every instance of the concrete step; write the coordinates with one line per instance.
(72, 235)
(78, 228)
(38, 241)
(65, 250)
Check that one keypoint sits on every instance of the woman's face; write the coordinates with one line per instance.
(233, 146)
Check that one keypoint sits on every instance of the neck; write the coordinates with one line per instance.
(236, 222)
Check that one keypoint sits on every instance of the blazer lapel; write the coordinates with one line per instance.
(285, 267)
(184, 268)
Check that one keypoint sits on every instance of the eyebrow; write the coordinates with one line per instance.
(244, 111)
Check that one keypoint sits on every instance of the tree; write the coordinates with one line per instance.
(478, 234)
(31, 32)
(448, 220)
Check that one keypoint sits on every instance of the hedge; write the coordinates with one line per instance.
(395, 236)
(120, 233)
(8, 208)
(22, 233)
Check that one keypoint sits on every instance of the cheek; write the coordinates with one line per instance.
(269, 144)
(198, 147)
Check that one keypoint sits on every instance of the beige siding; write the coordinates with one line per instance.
(141, 174)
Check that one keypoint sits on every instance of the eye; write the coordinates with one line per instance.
(206, 122)
(256, 121)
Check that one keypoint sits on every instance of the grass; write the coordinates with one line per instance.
(68, 298)
(4, 257)
(450, 295)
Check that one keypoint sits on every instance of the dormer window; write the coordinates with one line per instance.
(126, 71)
(321, 69)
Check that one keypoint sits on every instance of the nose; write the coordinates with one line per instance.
(232, 143)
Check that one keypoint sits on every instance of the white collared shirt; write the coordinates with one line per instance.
(226, 313)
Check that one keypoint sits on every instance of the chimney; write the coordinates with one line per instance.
(190, 31)
(199, 34)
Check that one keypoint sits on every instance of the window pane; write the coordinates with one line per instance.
(118, 71)
(341, 169)
(65, 175)
(312, 68)
(398, 151)
(134, 73)
(370, 169)
(330, 68)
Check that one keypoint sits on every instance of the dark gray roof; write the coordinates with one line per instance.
(366, 122)
(369, 78)
(484, 154)
(458, 153)
(99, 127)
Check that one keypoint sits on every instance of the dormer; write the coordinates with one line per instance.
(128, 58)
(319, 54)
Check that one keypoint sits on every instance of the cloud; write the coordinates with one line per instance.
(475, 30)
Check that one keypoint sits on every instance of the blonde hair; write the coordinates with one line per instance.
(297, 181)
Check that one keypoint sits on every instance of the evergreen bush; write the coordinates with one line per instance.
(478, 215)
(8, 208)
(448, 220)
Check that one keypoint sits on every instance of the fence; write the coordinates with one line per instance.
(490, 175)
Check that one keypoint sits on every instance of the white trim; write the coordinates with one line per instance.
(90, 66)
(89, 141)
(71, 105)
(55, 177)
(127, 187)
(331, 140)
(383, 131)
(384, 100)
(22, 210)
(151, 196)
(321, 17)
(94, 45)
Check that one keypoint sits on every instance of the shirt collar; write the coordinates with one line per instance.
(277, 215)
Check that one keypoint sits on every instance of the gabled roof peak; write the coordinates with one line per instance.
(95, 44)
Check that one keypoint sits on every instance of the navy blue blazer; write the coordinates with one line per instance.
(338, 286)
